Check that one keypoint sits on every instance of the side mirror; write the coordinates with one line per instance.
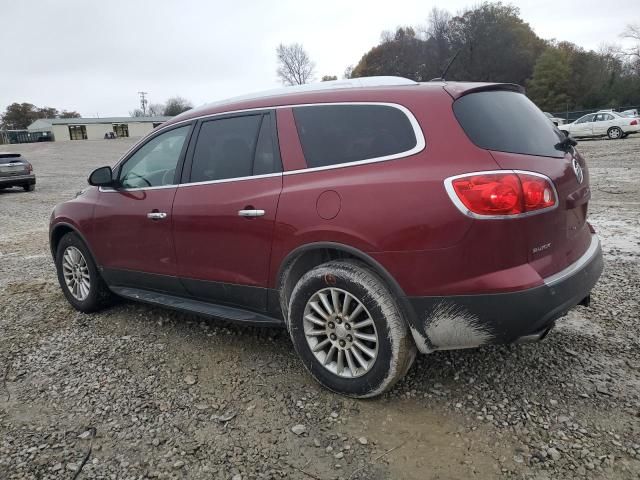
(101, 177)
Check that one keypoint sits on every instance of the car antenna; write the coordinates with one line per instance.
(446, 69)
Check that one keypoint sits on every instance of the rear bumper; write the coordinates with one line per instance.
(466, 321)
(17, 180)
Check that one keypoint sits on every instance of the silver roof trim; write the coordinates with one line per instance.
(365, 82)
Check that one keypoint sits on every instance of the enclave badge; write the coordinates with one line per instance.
(577, 169)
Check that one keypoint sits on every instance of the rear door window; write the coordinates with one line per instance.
(234, 147)
(336, 134)
(507, 122)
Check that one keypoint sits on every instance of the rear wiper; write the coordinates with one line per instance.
(566, 145)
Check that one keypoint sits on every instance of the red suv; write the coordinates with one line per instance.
(372, 217)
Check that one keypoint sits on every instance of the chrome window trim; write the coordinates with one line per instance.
(448, 185)
(420, 144)
(586, 257)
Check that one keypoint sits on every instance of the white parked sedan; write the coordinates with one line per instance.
(611, 124)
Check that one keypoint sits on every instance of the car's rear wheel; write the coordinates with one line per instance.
(30, 187)
(614, 133)
(78, 275)
(348, 329)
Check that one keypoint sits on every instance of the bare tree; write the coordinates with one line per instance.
(155, 109)
(294, 65)
(328, 78)
(632, 32)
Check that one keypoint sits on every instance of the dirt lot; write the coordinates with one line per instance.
(142, 392)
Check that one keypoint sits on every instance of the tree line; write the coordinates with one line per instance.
(172, 107)
(19, 116)
(492, 43)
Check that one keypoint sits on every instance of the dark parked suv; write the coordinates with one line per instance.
(16, 171)
(373, 218)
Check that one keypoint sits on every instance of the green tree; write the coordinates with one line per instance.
(495, 45)
(402, 53)
(176, 105)
(549, 88)
(67, 114)
(19, 116)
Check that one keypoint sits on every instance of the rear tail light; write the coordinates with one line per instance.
(501, 194)
(634, 122)
(29, 168)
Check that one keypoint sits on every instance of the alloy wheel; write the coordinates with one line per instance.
(76, 273)
(340, 332)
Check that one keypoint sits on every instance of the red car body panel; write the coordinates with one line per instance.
(213, 242)
(124, 238)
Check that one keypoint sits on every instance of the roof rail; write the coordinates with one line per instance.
(382, 81)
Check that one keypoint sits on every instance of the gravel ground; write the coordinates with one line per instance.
(139, 392)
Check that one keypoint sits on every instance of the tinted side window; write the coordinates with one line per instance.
(266, 159)
(234, 147)
(507, 122)
(154, 164)
(334, 134)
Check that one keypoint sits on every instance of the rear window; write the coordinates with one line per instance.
(335, 134)
(507, 122)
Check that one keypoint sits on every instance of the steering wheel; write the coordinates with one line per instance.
(167, 178)
(138, 176)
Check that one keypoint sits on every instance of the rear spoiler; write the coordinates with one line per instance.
(9, 155)
(457, 90)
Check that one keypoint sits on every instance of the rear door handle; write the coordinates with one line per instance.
(251, 213)
(156, 215)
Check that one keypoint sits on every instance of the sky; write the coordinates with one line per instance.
(93, 56)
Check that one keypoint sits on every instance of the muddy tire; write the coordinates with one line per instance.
(348, 329)
(78, 276)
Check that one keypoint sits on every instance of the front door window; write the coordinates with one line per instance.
(154, 164)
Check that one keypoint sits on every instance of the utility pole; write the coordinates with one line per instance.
(143, 102)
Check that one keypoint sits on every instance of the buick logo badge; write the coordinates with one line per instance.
(577, 169)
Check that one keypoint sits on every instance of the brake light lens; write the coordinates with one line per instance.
(501, 194)
(634, 122)
(29, 168)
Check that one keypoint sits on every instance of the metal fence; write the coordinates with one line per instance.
(23, 136)
(574, 115)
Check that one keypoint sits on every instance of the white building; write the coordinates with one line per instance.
(66, 129)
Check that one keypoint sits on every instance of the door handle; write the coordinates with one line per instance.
(251, 213)
(156, 215)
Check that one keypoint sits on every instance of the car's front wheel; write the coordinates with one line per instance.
(348, 329)
(78, 275)
(614, 133)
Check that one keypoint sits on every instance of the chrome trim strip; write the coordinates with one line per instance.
(420, 144)
(17, 177)
(586, 257)
(112, 190)
(226, 180)
(448, 185)
(18, 163)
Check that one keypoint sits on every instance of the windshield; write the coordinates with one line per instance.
(507, 122)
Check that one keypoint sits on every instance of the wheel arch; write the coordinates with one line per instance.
(59, 230)
(308, 256)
